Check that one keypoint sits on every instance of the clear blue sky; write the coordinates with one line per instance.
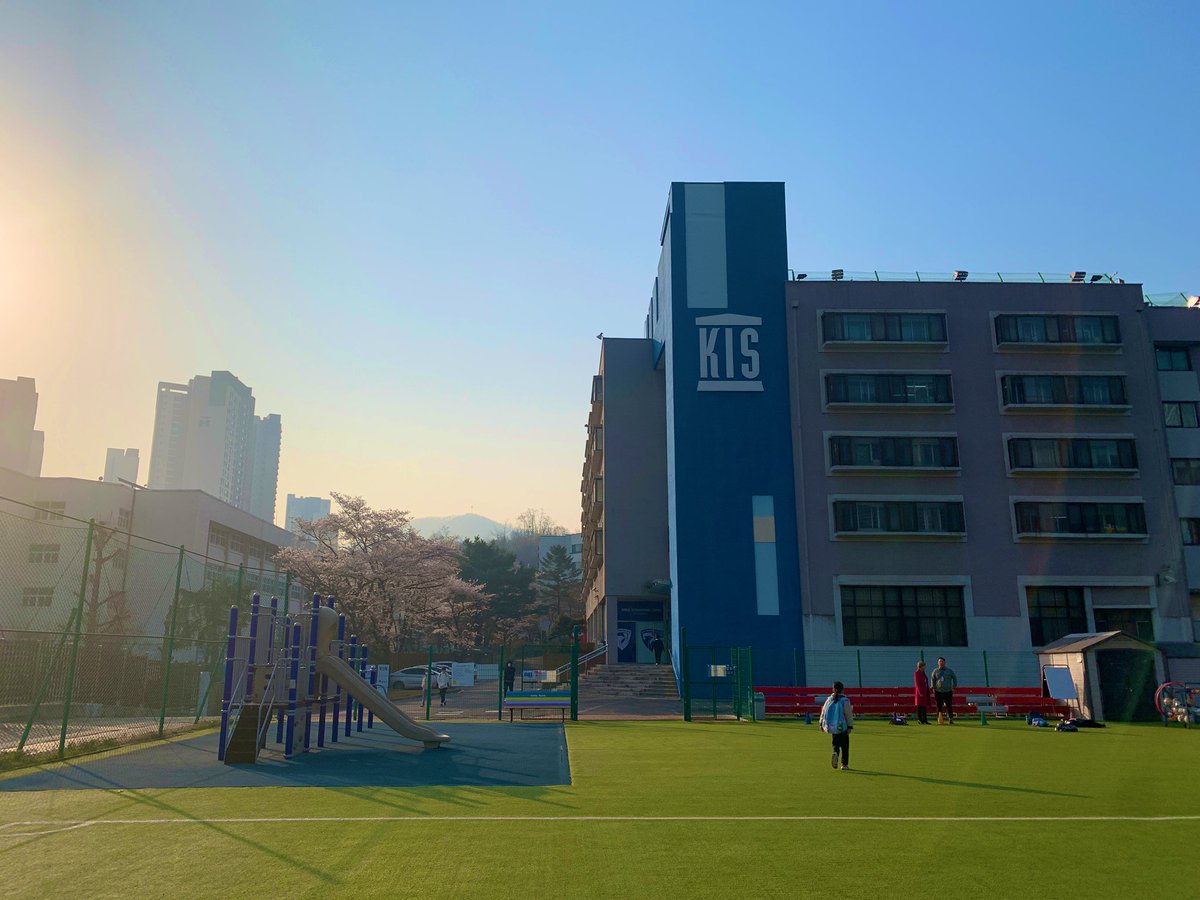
(402, 224)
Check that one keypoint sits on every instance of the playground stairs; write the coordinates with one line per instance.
(629, 680)
(243, 744)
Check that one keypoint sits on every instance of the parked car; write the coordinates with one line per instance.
(410, 678)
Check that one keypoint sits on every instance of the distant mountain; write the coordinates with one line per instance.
(463, 527)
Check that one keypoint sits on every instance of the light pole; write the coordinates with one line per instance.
(133, 489)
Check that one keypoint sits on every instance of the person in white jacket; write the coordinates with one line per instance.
(443, 683)
(837, 720)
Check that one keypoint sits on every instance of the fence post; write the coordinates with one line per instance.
(987, 682)
(500, 687)
(685, 675)
(41, 695)
(858, 656)
(575, 674)
(87, 564)
(170, 648)
(750, 677)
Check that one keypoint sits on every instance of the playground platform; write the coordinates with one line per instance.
(478, 754)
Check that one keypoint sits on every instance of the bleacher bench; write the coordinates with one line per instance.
(523, 700)
(883, 701)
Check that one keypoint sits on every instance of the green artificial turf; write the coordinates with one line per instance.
(669, 769)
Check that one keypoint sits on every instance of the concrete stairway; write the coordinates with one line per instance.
(629, 680)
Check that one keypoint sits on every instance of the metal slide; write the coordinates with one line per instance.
(387, 712)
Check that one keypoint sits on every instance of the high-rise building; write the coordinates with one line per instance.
(21, 445)
(305, 508)
(206, 437)
(264, 478)
(121, 465)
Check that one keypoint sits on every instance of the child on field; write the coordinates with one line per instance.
(837, 720)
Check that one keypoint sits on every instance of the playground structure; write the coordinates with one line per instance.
(1178, 701)
(292, 668)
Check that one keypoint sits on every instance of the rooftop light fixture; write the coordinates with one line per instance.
(837, 274)
(1095, 278)
(800, 276)
(1077, 277)
(961, 274)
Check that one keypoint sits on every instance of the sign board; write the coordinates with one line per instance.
(462, 674)
(719, 671)
(545, 676)
(1059, 683)
(383, 672)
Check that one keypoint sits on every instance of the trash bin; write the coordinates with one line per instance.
(760, 706)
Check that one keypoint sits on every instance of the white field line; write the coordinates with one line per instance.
(66, 825)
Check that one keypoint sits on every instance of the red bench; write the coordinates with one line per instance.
(883, 701)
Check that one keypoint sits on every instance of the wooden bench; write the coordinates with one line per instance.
(523, 700)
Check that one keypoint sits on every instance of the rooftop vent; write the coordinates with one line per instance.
(1077, 277)
(961, 274)
(837, 274)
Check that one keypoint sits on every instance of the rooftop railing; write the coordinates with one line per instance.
(1171, 298)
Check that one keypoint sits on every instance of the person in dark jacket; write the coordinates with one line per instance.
(510, 675)
(921, 693)
(657, 646)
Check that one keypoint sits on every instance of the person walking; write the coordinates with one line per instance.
(921, 693)
(837, 720)
(657, 646)
(510, 675)
(443, 683)
(944, 682)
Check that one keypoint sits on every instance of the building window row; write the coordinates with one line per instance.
(872, 327)
(1172, 359)
(1072, 453)
(44, 553)
(900, 451)
(919, 517)
(1185, 471)
(35, 597)
(49, 510)
(893, 388)
(903, 615)
(1064, 390)
(1082, 519)
(1069, 329)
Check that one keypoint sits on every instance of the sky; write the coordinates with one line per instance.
(402, 224)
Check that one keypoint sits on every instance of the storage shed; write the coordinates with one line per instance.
(1115, 674)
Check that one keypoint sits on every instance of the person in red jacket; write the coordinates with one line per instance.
(921, 692)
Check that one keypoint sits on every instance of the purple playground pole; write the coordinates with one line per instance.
(312, 670)
(374, 682)
(350, 704)
(227, 691)
(337, 691)
(255, 610)
(362, 671)
(294, 676)
(286, 651)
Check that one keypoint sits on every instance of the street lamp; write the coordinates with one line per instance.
(134, 487)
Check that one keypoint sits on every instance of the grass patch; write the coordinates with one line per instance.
(670, 769)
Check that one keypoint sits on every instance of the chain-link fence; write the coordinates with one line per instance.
(107, 637)
(717, 682)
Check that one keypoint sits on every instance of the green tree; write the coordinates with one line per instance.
(512, 612)
(559, 585)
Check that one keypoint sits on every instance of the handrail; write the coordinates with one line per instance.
(237, 701)
(587, 657)
(267, 698)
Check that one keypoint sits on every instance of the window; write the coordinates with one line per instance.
(898, 517)
(124, 519)
(44, 553)
(871, 388)
(903, 616)
(1191, 531)
(1135, 621)
(49, 510)
(1072, 453)
(1036, 329)
(1172, 359)
(1080, 519)
(599, 539)
(35, 597)
(598, 433)
(894, 451)
(1180, 415)
(880, 327)
(1055, 612)
(1185, 471)
(1064, 390)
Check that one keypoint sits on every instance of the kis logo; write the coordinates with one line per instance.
(729, 353)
